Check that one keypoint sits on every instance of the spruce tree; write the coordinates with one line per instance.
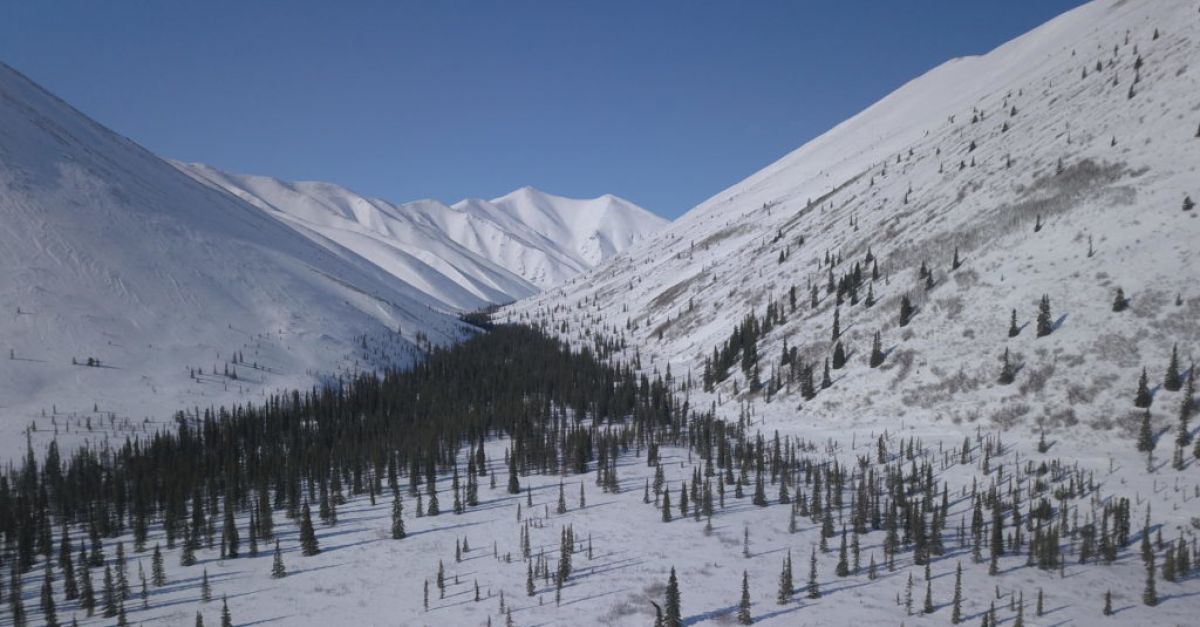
(956, 606)
(1183, 436)
(1142, 398)
(1150, 594)
(1007, 372)
(49, 615)
(786, 587)
(906, 310)
(226, 619)
(158, 572)
(1145, 442)
(1044, 322)
(398, 519)
(814, 592)
(110, 594)
(309, 545)
(205, 587)
(1108, 609)
(743, 614)
(1120, 303)
(839, 356)
(278, 571)
(876, 351)
(673, 614)
(1172, 381)
(1013, 329)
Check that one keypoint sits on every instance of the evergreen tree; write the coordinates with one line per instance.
(1172, 381)
(666, 506)
(843, 567)
(743, 614)
(1120, 303)
(49, 615)
(158, 572)
(673, 614)
(814, 592)
(1145, 441)
(876, 351)
(199, 620)
(205, 587)
(1143, 398)
(786, 587)
(1013, 329)
(956, 607)
(226, 619)
(839, 356)
(1007, 372)
(906, 310)
(398, 519)
(1150, 594)
(278, 571)
(928, 608)
(110, 594)
(309, 545)
(1108, 609)
(1044, 322)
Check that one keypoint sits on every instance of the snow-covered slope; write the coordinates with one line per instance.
(1086, 125)
(468, 255)
(548, 239)
(112, 254)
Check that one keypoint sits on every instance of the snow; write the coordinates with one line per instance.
(468, 255)
(937, 384)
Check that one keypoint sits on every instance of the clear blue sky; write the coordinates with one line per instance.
(664, 103)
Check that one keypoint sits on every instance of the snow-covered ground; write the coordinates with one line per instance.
(196, 288)
(972, 157)
(363, 577)
(467, 255)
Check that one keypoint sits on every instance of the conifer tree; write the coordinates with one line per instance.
(956, 606)
(226, 619)
(1013, 329)
(906, 310)
(876, 351)
(16, 602)
(843, 567)
(1183, 436)
(1142, 398)
(743, 614)
(928, 608)
(1150, 594)
(309, 545)
(839, 356)
(814, 591)
(87, 592)
(1007, 372)
(49, 614)
(205, 587)
(158, 572)
(1044, 322)
(278, 571)
(1108, 609)
(1145, 441)
(110, 594)
(786, 587)
(1040, 608)
(199, 620)
(1172, 381)
(673, 614)
(398, 532)
(1120, 303)
(666, 506)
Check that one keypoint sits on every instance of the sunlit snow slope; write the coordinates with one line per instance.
(112, 254)
(468, 255)
(1087, 125)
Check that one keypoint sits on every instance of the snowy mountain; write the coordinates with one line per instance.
(1056, 164)
(114, 256)
(468, 255)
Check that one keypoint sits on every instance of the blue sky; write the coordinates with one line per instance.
(665, 103)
